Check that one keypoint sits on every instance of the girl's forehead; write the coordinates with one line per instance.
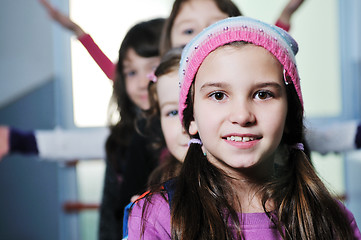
(168, 78)
(198, 10)
(132, 58)
(168, 87)
(130, 55)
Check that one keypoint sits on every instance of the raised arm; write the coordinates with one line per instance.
(107, 66)
(55, 144)
(284, 20)
(62, 19)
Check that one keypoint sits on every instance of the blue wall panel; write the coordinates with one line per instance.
(29, 202)
(29, 199)
(33, 111)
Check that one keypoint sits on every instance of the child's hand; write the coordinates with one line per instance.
(62, 19)
(4, 141)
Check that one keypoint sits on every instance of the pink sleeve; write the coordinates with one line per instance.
(282, 25)
(99, 57)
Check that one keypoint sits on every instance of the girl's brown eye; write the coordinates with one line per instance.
(219, 96)
(263, 95)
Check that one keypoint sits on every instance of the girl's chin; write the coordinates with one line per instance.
(144, 106)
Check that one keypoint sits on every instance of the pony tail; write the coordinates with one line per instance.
(186, 195)
(301, 181)
(307, 210)
(198, 200)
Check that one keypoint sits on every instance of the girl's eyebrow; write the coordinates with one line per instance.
(188, 20)
(127, 64)
(269, 84)
(191, 19)
(168, 103)
(214, 84)
(225, 85)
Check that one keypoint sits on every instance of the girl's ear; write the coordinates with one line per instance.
(193, 129)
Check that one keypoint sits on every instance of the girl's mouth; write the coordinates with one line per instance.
(241, 139)
(144, 97)
(243, 142)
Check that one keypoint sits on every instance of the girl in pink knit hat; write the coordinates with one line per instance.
(241, 102)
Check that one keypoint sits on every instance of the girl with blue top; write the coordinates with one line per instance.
(241, 104)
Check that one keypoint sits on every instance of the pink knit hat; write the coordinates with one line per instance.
(274, 39)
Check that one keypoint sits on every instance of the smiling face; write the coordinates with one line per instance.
(136, 70)
(194, 16)
(240, 108)
(175, 136)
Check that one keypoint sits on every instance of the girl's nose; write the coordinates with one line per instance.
(242, 113)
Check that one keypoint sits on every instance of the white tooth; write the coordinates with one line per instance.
(240, 139)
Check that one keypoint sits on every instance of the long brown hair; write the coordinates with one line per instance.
(226, 6)
(304, 208)
(144, 39)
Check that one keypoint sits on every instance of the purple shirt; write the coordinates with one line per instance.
(157, 224)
